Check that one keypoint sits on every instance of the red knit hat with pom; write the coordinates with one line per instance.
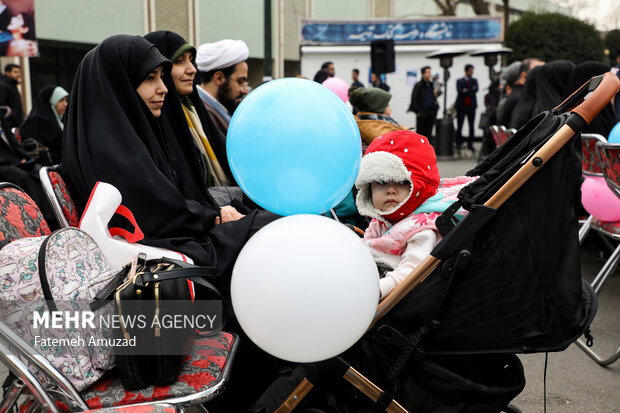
(394, 157)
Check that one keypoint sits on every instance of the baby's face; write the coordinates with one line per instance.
(388, 195)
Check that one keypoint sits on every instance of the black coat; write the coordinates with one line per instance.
(9, 96)
(544, 89)
(417, 97)
(11, 151)
(461, 85)
(42, 126)
(17, 168)
(508, 107)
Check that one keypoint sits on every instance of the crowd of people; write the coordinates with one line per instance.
(516, 93)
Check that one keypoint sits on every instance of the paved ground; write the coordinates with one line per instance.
(574, 382)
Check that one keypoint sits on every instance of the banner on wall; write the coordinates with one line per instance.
(420, 31)
(17, 32)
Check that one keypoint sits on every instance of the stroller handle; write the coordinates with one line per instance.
(591, 97)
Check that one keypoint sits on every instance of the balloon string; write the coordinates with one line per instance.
(334, 215)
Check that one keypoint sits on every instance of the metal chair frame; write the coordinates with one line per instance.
(48, 189)
(588, 143)
(600, 146)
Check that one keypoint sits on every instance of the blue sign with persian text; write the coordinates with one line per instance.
(439, 30)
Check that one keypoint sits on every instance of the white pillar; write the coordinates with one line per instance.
(194, 34)
(26, 88)
(278, 71)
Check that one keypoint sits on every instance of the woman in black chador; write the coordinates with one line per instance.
(183, 98)
(44, 123)
(112, 135)
(544, 89)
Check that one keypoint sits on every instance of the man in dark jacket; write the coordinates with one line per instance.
(9, 94)
(424, 104)
(466, 104)
(376, 81)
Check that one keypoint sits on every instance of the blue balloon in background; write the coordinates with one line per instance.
(294, 147)
(614, 135)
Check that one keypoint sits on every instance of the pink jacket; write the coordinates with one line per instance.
(389, 242)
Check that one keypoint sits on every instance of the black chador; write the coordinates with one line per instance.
(42, 125)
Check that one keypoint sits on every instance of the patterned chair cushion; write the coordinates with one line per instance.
(202, 370)
(610, 163)
(19, 215)
(610, 227)
(64, 199)
(589, 158)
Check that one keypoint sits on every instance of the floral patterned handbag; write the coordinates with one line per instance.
(63, 271)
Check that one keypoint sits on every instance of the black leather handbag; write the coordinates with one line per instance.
(156, 305)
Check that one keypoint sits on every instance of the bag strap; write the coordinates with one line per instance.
(188, 272)
(206, 284)
(211, 289)
(45, 286)
(167, 260)
(131, 237)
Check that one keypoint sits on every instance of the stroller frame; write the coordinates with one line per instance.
(585, 104)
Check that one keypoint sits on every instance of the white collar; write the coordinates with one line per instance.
(212, 97)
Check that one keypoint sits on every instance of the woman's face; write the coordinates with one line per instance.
(153, 91)
(183, 73)
(61, 106)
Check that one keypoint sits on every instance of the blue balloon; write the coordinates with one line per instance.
(614, 135)
(294, 147)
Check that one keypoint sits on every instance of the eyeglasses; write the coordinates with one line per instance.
(241, 81)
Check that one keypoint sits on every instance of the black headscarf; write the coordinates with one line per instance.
(604, 121)
(41, 124)
(171, 45)
(111, 136)
(544, 89)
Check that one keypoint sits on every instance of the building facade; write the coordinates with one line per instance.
(68, 29)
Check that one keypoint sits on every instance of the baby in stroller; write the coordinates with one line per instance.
(400, 189)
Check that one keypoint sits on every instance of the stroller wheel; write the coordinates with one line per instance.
(511, 408)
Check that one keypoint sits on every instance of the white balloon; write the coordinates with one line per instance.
(305, 288)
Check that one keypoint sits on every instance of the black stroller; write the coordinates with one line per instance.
(502, 281)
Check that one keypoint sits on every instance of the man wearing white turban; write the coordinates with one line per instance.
(223, 78)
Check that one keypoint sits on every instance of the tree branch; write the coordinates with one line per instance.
(480, 7)
(447, 7)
